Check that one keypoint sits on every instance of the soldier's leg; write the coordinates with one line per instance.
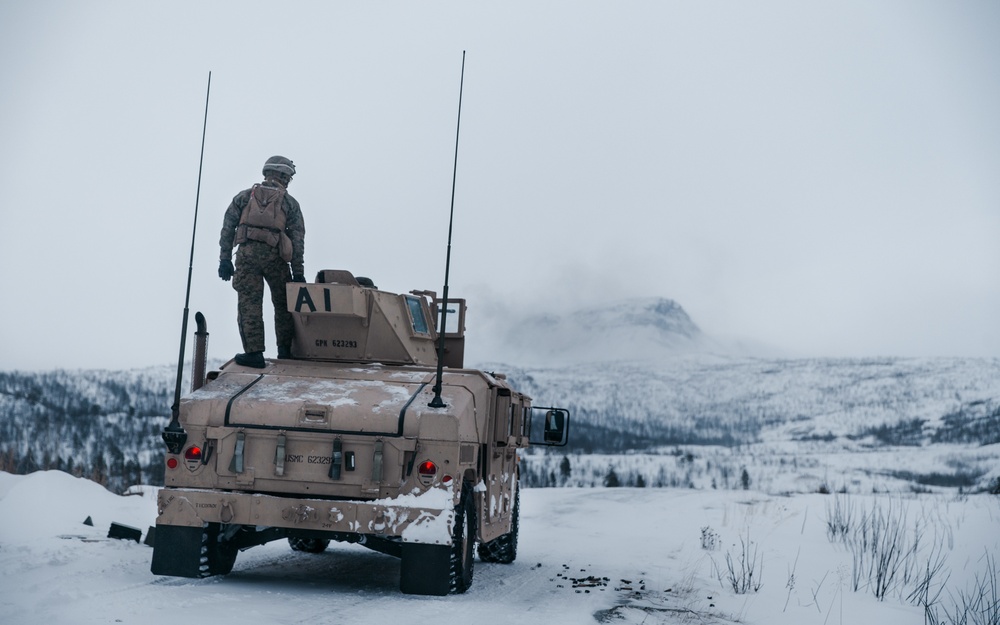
(278, 275)
(249, 284)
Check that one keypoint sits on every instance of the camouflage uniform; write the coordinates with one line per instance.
(257, 262)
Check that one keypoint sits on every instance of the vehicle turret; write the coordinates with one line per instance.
(339, 318)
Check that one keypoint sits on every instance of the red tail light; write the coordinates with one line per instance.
(193, 458)
(171, 463)
(427, 468)
(426, 472)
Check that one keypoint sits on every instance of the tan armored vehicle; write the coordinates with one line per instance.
(354, 439)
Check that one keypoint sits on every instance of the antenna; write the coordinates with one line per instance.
(174, 435)
(437, 402)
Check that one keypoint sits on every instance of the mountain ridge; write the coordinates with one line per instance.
(650, 327)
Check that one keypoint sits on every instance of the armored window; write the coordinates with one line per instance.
(503, 417)
(417, 318)
(455, 319)
(522, 422)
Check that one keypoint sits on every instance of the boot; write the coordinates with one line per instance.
(284, 352)
(252, 359)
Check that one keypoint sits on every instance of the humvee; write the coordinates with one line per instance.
(363, 436)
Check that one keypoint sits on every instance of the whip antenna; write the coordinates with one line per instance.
(437, 402)
(174, 435)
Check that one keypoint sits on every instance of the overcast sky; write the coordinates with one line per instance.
(820, 177)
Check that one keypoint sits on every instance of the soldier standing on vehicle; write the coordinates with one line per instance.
(266, 223)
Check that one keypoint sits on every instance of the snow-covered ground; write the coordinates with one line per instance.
(616, 555)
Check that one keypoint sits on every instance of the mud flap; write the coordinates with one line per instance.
(425, 569)
(177, 551)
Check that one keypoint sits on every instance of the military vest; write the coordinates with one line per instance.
(263, 219)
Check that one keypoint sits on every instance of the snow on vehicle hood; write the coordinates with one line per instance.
(359, 404)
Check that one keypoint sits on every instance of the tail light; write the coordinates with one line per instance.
(192, 457)
(426, 472)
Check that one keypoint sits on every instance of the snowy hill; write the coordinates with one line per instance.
(632, 329)
(795, 425)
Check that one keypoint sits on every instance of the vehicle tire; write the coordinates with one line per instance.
(309, 545)
(503, 549)
(218, 555)
(463, 545)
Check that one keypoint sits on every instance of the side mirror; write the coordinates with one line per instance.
(554, 430)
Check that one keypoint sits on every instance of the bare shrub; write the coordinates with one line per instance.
(979, 605)
(709, 539)
(743, 573)
(790, 584)
(928, 586)
(840, 518)
(889, 553)
(878, 549)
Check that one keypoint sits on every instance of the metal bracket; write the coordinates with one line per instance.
(337, 461)
(377, 464)
(236, 465)
(279, 455)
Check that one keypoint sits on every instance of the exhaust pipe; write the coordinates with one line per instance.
(199, 364)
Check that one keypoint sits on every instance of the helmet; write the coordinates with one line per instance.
(279, 164)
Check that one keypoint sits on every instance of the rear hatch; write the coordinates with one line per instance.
(288, 432)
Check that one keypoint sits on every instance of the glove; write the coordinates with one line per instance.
(298, 278)
(226, 269)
